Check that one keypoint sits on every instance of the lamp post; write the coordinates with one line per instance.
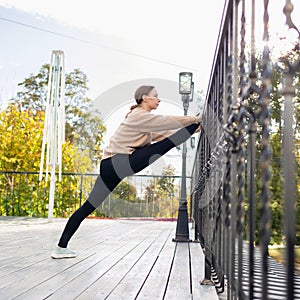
(186, 87)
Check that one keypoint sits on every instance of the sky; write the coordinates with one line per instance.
(115, 41)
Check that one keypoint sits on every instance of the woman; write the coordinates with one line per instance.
(130, 150)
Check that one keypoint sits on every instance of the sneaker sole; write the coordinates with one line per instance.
(62, 256)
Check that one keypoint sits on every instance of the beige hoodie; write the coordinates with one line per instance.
(141, 127)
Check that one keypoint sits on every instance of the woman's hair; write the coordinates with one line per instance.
(143, 90)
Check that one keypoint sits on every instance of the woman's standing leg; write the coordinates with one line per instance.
(100, 191)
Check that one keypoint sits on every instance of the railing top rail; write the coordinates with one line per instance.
(88, 174)
(225, 19)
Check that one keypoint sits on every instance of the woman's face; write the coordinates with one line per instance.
(151, 101)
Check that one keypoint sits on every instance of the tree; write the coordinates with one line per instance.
(84, 127)
(20, 150)
(122, 202)
(162, 188)
(277, 106)
(21, 128)
(21, 139)
(125, 191)
(276, 140)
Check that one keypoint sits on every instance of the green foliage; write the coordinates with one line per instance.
(84, 127)
(162, 188)
(125, 191)
(276, 140)
(276, 135)
(20, 151)
(21, 129)
(276, 189)
(21, 139)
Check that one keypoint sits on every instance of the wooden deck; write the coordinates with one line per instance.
(118, 259)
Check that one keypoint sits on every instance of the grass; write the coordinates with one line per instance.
(278, 254)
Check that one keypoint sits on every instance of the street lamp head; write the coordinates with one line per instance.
(185, 83)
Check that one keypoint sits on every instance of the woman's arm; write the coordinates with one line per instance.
(158, 136)
(147, 122)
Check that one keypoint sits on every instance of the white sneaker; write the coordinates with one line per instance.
(63, 253)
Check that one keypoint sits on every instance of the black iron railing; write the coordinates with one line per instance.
(245, 183)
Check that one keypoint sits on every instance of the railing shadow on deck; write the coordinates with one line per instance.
(239, 176)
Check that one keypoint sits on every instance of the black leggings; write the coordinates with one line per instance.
(114, 169)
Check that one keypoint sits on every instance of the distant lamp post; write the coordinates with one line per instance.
(193, 142)
(186, 88)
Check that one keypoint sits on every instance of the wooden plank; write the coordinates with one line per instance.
(132, 282)
(27, 265)
(114, 274)
(179, 282)
(19, 264)
(52, 274)
(28, 268)
(157, 280)
(38, 273)
(79, 284)
(118, 259)
(197, 270)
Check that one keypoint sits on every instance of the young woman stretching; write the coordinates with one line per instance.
(130, 151)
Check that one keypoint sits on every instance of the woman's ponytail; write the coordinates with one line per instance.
(132, 107)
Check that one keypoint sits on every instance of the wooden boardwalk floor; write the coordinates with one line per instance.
(118, 259)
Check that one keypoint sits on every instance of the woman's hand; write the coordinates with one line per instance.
(199, 117)
(198, 129)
